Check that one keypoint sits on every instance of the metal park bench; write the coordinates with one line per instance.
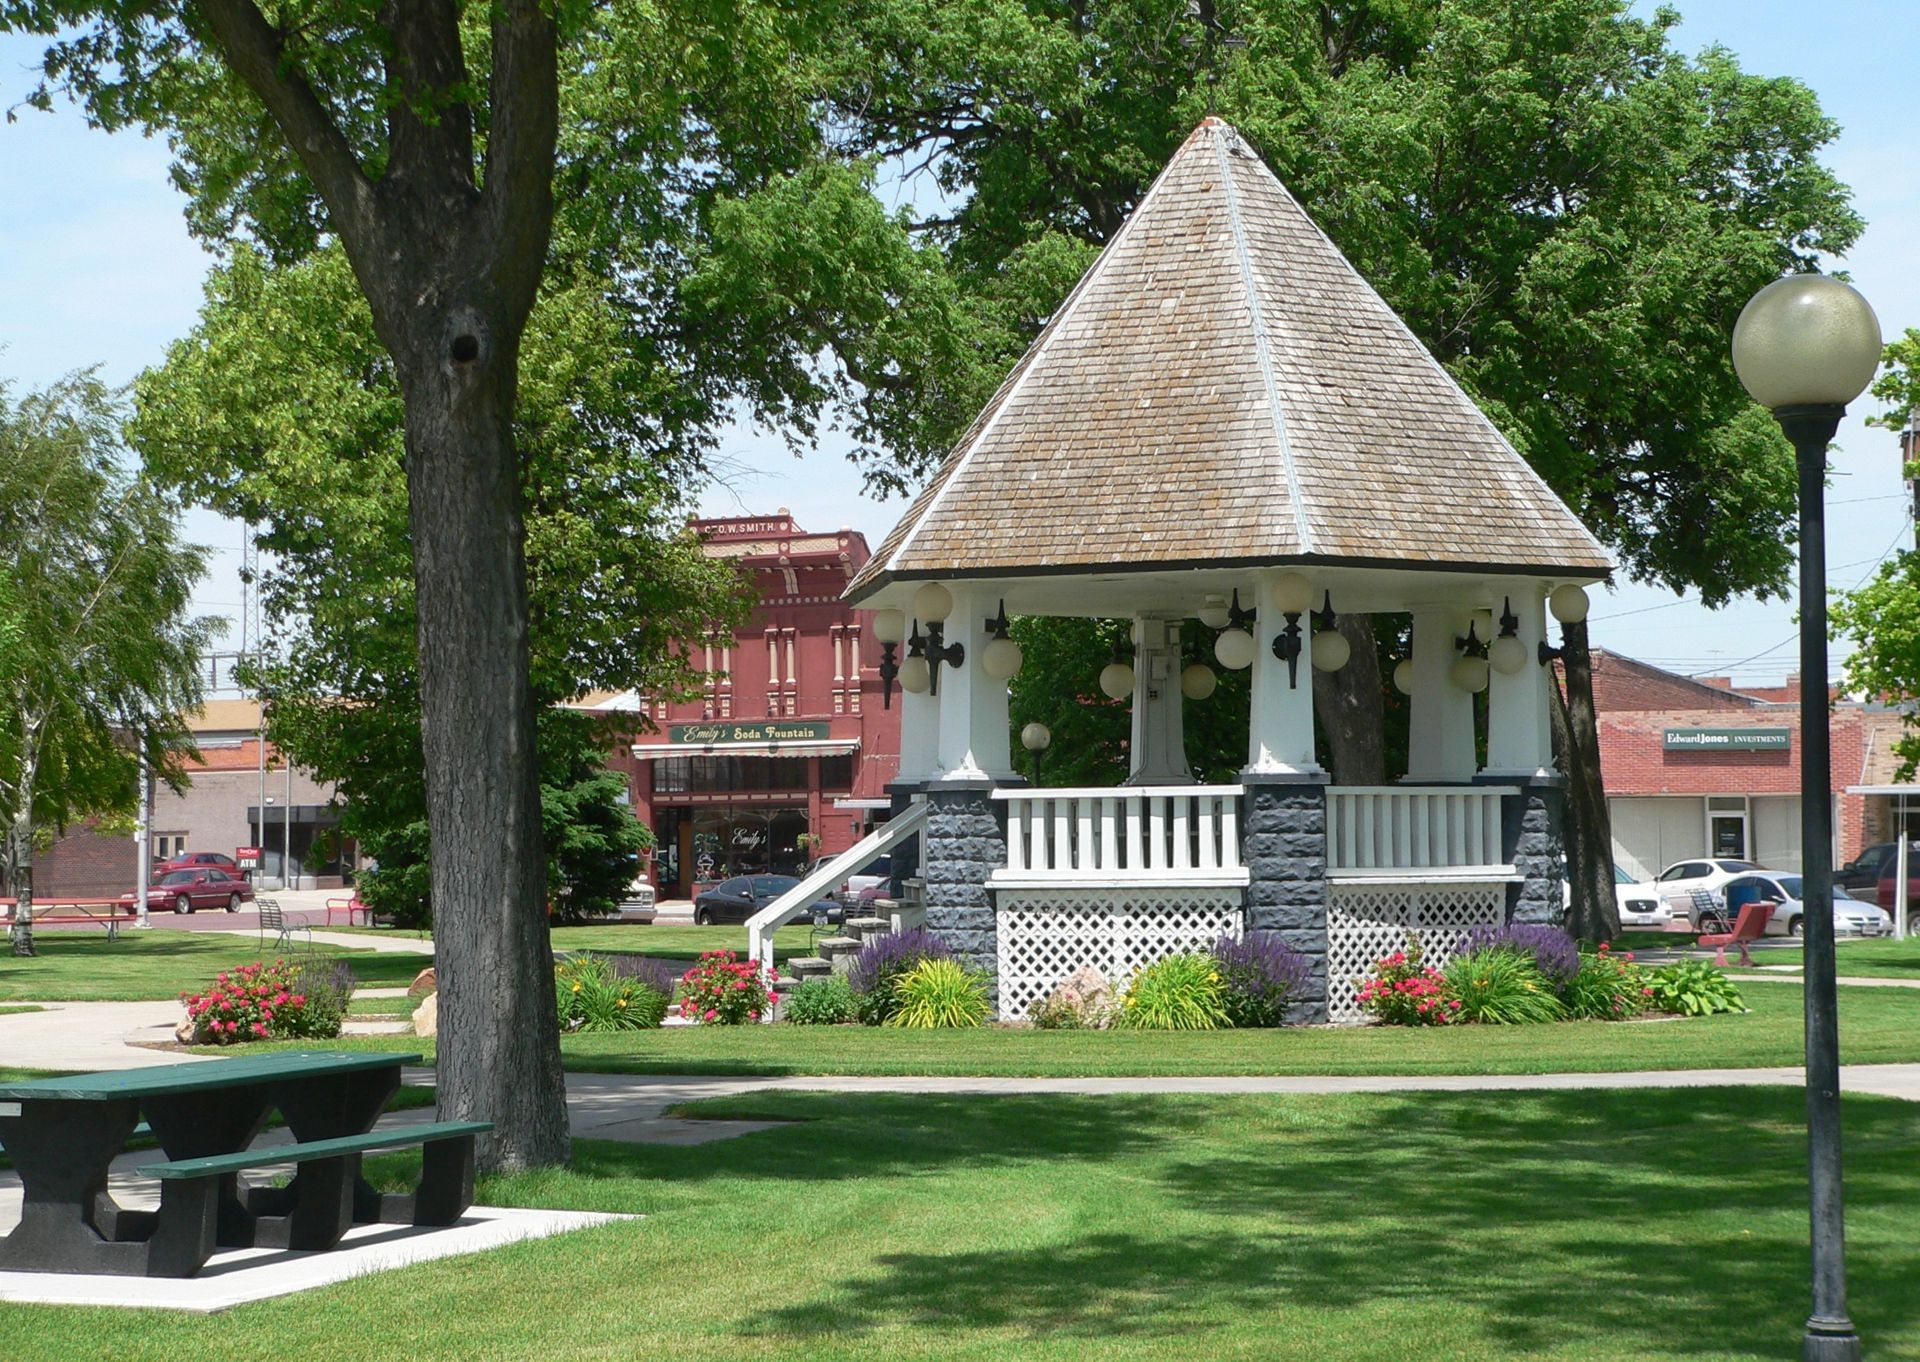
(272, 919)
(63, 1133)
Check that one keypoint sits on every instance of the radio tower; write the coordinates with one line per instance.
(251, 638)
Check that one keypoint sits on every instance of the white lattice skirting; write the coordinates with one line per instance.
(1045, 935)
(1366, 921)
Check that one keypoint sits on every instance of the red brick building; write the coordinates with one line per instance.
(787, 755)
(1693, 767)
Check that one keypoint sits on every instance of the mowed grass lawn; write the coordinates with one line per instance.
(1877, 1026)
(1880, 958)
(1579, 1225)
(68, 967)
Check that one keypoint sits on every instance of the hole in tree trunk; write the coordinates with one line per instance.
(466, 349)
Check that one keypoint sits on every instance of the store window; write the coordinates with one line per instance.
(711, 774)
(836, 773)
(730, 842)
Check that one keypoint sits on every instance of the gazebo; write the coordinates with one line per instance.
(1224, 420)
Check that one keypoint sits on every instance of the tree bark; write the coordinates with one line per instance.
(450, 264)
(1594, 911)
(1352, 709)
(499, 1052)
(20, 836)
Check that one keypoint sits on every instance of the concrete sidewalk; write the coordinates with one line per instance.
(89, 1036)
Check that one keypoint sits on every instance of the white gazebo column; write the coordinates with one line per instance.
(919, 736)
(974, 744)
(966, 839)
(1440, 748)
(1519, 725)
(1280, 721)
(1159, 745)
(1283, 815)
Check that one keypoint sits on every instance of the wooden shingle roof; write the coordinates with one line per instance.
(1223, 388)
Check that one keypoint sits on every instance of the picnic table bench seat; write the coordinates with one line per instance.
(325, 1202)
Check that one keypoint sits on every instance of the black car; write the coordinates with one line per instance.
(739, 898)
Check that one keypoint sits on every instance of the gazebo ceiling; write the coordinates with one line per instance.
(1222, 389)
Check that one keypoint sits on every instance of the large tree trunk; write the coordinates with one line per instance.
(1594, 912)
(499, 1049)
(1352, 709)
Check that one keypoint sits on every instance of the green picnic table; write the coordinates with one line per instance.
(63, 1133)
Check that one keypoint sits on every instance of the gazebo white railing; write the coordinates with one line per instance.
(1169, 834)
(1387, 830)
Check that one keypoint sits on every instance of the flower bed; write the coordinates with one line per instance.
(278, 1001)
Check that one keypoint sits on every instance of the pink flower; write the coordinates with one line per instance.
(710, 1015)
(259, 1028)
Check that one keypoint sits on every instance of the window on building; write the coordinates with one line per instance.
(720, 774)
(836, 773)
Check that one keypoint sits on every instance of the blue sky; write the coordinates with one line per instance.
(96, 268)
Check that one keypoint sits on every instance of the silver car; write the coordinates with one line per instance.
(1851, 917)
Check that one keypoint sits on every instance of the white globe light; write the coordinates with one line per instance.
(890, 626)
(1214, 613)
(932, 603)
(1330, 650)
(1197, 681)
(1507, 655)
(1035, 737)
(1292, 593)
(1403, 676)
(1568, 603)
(1469, 673)
(915, 675)
(1116, 680)
(1000, 659)
(1806, 340)
(1235, 649)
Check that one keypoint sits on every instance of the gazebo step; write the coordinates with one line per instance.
(831, 946)
(805, 967)
(869, 926)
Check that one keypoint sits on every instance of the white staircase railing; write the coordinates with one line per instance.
(1388, 830)
(825, 878)
(1116, 836)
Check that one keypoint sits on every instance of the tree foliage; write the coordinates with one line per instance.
(99, 660)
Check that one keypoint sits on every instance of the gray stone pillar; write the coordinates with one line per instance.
(965, 841)
(906, 856)
(1284, 836)
(1532, 840)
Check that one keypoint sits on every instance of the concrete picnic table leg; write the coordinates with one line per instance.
(193, 1125)
(68, 1222)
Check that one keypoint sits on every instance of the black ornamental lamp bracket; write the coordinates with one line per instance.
(1286, 647)
(889, 669)
(953, 654)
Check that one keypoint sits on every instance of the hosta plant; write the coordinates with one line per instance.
(1502, 986)
(1177, 993)
(1693, 988)
(939, 993)
(822, 1002)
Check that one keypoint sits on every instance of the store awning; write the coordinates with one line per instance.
(798, 747)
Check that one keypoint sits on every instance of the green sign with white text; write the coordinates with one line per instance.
(1728, 739)
(768, 730)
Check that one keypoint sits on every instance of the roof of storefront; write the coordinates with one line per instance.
(1223, 387)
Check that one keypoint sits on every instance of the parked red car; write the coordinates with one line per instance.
(1883, 892)
(200, 860)
(201, 887)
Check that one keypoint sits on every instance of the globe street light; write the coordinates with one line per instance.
(1036, 738)
(1804, 347)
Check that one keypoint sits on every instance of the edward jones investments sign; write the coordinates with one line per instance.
(770, 731)
(1727, 739)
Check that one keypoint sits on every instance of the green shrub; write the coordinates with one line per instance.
(280, 1001)
(939, 993)
(1693, 988)
(1502, 986)
(822, 1002)
(591, 997)
(1607, 987)
(1177, 993)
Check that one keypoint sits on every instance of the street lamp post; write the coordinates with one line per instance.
(1804, 347)
(1036, 738)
